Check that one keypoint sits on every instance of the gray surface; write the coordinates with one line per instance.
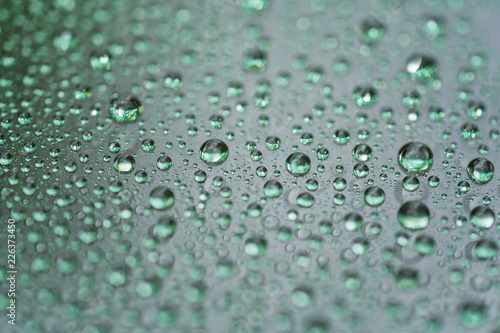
(261, 288)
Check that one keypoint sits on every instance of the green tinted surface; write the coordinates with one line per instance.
(250, 165)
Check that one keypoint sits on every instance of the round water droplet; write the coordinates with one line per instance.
(361, 170)
(407, 279)
(365, 96)
(473, 314)
(339, 184)
(421, 67)
(469, 131)
(374, 196)
(480, 170)
(273, 189)
(341, 137)
(255, 247)
(411, 183)
(214, 152)
(125, 109)
(425, 244)
(298, 164)
(362, 152)
(100, 61)
(302, 297)
(164, 163)
(124, 163)
(482, 217)
(485, 249)
(475, 109)
(254, 6)
(352, 221)
(273, 142)
(415, 157)
(373, 31)
(165, 228)
(305, 200)
(414, 215)
(161, 198)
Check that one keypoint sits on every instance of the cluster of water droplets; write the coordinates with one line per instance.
(316, 175)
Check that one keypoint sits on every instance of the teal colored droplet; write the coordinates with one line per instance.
(305, 200)
(482, 217)
(374, 196)
(414, 215)
(421, 67)
(161, 198)
(341, 137)
(124, 163)
(352, 221)
(485, 249)
(254, 6)
(298, 164)
(415, 157)
(473, 314)
(365, 96)
(411, 183)
(125, 109)
(273, 189)
(480, 170)
(214, 152)
(255, 247)
(362, 152)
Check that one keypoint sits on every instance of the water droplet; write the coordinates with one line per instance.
(164, 163)
(125, 109)
(341, 137)
(414, 215)
(124, 163)
(469, 131)
(485, 249)
(482, 217)
(415, 157)
(365, 96)
(255, 247)
(254, 6)
(421, 67)
(214, 152)
(411, 183)
(362, 153)
(480, 170)
(475, 109)
(161, 198)
(298, 164)
(352, 221)
(473, 314)
(374, 196)
(273, 189)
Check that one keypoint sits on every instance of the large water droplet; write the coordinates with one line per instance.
(374, 196)
(414, 215)
(298, 164)
(125, 109)
(161, 198)
(273, 189)
(415, 157)
(214, 152)
(480, 170)
(124, 163)
(482, 217)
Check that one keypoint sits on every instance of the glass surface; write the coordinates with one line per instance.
(249, 166)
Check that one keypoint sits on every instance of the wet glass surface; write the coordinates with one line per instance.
(250, 165)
